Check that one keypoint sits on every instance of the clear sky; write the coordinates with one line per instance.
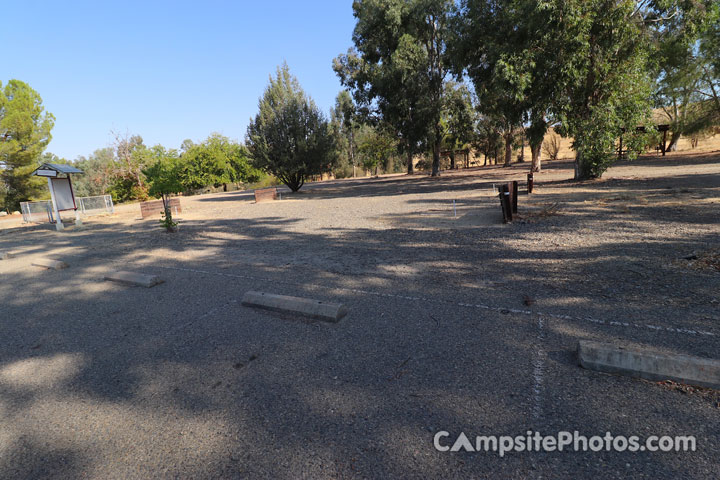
(166, 70)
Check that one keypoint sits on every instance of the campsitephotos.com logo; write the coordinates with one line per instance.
(562, 441)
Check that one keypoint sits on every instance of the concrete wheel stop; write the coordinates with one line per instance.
(133, 279)
(330, 312)
(642, 363)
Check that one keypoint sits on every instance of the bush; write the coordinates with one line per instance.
(551, 146)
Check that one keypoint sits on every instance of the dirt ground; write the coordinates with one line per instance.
(457, 323)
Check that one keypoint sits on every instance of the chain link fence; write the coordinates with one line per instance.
(95, 205)
(37, 212)
(40, 212)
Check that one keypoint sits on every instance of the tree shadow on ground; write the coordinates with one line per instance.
(97, 379)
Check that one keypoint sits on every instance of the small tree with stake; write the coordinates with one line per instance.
(164, 179)
(289, 136)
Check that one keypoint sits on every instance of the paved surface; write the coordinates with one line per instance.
(458, 325)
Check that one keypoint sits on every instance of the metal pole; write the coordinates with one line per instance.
(58, 222)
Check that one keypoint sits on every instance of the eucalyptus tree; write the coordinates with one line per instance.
(585, 62)
(346, 121)
(399, 66)
(509, 50)
(459, 118)
(491, 48)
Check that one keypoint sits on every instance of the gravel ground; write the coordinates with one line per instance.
(457, 323)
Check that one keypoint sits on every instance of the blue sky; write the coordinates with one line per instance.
(166, 70)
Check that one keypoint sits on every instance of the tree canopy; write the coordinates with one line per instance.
(25, 129)
(399, 67)
(290, 137)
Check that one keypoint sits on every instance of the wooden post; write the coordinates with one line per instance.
(620, 155)
(530, 182)
(514, 195)
(505, 203)
(664, 142)
(58, 222)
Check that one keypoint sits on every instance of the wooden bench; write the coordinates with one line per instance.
(266, 194)
(155, 207)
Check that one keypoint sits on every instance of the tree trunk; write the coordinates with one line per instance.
(508, 149)
(452, 159)
(436, 159)
(410, 169)
(576, 165)
(672, 147)
(295, 181)
(352, 150)
(535, 152)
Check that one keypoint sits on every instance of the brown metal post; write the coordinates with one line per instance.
(510, 197)
(530, 182)
(505, 204)
(514, 195)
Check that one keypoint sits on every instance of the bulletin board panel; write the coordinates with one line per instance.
(63, 194)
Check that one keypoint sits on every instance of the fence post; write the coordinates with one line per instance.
(530, 182)
(514, 195)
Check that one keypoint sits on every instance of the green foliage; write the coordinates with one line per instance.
(289, 136)
(488, 138)
(265, 181)
(399, 67)
(24, 133)
(163, 176)
(164, 172)
(684, 73)
(344, 125)
(98, 176)
(123, 189)
(216, 161)
(131, 156)
(459, 118)
(709, 53)
(498, 49)
(610, 89)
(376, 147)
(167, 220)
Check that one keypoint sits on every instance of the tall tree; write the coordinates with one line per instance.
(401, 65)
(492, 47)
(24, 134)
(131, 157)
(290, 137)
(376, 147)
(611, 87)
(681, 89)
(459, 119)
(345, 121)
(709, 53)
(510, 51)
